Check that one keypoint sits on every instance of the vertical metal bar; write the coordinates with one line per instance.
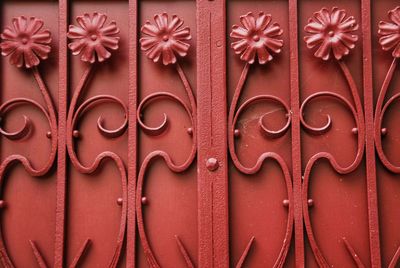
(373, 216)
(62, 119)
(212, 134)
(296, 143)
(132, 135)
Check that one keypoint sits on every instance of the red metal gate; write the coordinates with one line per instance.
(202, 133)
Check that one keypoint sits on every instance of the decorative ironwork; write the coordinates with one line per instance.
(260, 37)
(390, 40)
(91, 39)
(331, 32)
(162, 41)
(27, 43)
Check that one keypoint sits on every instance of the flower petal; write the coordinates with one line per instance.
(102, 53)
(175, 23)
(183, 34)
(239, 46)
(161, 20)
(150, 29)
(348, 25)
(34, 25)
(263, 55)
(239, 32)
(324, 50)
(180, 47)
(77, 46)
(389, 41)
(110, 29)
(168, 56)
(75, 32)
(42, 51)
(248, 21)
(273, 44)
(98, 20)
(314, 40)
(388, 28)
(337, 16)
(8, 47)
(314, 27)
(20, 24)
(273, 31)
(339, 49)
(30, 58)
(17, 58)
(396, 51)
(88, 54)
(110, 42)
(148, 42)
(249, 55)
(262, 21)
(394, 15)
(8, 34)
(42, 38)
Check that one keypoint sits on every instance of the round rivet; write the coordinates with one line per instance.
(144, 200)
(285, 202)
(93, 37)
(75, 134)
(384, 131)
(120, 201)
(310, 202)
(165, 38)
(212, 164)
(354, 130)
(190, 131)
(48, 134)
(331, 33)
(2, 204)
(256, 38)
(236, 133)
(219, 43)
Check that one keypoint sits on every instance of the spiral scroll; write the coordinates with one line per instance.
(27, 52)
(331, 34)
(161, 42)
(93, 45)
(266, 35)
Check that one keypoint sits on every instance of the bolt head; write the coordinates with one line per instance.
(120, 201)
(310, 202)
(48, 134)
(212, 164)
(384, 131)
(76, 134)
(236, 133)
(145, 201)
(285, 202)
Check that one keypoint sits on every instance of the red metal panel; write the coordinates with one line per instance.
(207, 91)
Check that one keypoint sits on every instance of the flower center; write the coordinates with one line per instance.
(331, 33)
(165, 38)
(93, 37)
(256, 38)
(24, 40)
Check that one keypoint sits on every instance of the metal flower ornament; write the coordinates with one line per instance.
(167, 41)
(27, 43)
(93, 40)
(331, 34)
(389, 32)
(258, 40)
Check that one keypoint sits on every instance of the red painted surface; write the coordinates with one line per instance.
(202, 133)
